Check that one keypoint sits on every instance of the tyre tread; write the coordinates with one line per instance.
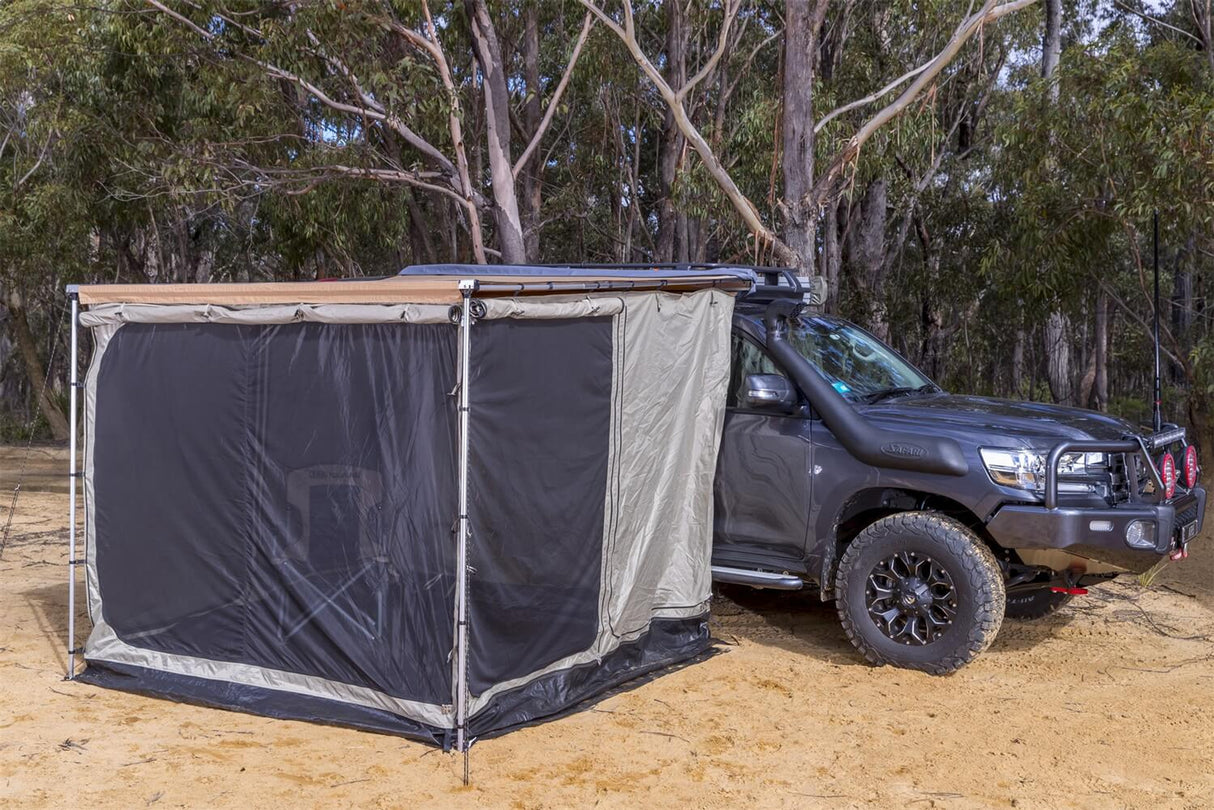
(977, 560)
(1038, 609)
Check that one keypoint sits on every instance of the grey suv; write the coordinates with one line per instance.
(926, 516)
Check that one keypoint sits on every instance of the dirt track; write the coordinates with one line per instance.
(1107, 704)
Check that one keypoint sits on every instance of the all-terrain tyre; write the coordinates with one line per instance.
(1035, 604)
(921, 591)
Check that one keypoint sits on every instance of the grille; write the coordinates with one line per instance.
(1187, 515)
(1119, 478)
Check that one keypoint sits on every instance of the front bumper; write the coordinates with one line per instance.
(1070, 529)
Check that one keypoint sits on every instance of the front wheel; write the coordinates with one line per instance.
(919, 590)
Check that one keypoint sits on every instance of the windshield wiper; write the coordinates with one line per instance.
(890, 393)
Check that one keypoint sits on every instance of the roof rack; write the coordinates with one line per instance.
(783, 282)
(773, 282)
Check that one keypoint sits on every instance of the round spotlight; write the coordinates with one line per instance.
(1190, 466)
(1167, 471)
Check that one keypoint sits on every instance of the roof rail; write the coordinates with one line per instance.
(651, 266)
(773, 282)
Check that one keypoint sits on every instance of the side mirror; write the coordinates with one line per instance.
(769, 391)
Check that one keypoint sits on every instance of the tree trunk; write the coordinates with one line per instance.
(1018, 363)
(866, 249)
(1058, 328)
(497, 128)
(797, 154)
(419, 232)
(532, 115)
(1203, 16)
(1182, 303)
(1100, 390)
(1087, 383)
(832, 256)
(1051, 43)
(673, 143)
(34, 371)
(1202, 420)
(1058, 357)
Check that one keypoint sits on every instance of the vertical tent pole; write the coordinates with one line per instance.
(73, 385)
(466, 287)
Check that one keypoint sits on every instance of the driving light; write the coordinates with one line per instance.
(1167, 471)
(1190, 466)
(1140, 534)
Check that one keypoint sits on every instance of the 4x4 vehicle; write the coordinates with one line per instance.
(926, 516)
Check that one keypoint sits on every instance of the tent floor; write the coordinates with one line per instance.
(669, 644)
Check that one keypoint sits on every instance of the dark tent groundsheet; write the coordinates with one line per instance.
(271, 496)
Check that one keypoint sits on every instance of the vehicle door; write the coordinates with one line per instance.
(762, 490)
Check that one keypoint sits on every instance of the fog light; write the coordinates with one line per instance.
(1101, 526)
(1140, 534)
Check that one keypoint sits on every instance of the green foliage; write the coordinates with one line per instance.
(136, 149)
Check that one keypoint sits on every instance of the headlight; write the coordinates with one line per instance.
(1025, 469)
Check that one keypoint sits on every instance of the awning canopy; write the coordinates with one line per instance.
(424, 284)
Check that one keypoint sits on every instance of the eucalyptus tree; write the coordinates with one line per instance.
(385, 91)
(803, 190)
(46, 165)
(1129, 134)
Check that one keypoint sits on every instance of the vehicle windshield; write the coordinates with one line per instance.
(859, 366)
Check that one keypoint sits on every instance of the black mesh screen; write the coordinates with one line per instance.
(541, 415)
(282, 496)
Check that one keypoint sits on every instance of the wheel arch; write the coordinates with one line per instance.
(868, 505)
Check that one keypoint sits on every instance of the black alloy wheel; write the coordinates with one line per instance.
(911, 598)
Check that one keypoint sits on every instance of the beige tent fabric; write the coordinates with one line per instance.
(670, 375)
(394, 290)
(670, 370)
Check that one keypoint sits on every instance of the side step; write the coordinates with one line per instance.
(756, 579)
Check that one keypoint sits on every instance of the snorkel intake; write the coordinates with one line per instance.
(873, 445)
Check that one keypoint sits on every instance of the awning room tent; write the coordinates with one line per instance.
(442, 505)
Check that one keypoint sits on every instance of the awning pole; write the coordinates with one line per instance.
(466, 288)
(73, 385)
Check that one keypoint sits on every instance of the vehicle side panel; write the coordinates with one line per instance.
(762, 491)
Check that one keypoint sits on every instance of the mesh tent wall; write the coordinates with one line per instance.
(281, 480)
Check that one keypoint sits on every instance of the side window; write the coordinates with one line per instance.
(745, 359)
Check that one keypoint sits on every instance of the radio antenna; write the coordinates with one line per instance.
(1157, 414)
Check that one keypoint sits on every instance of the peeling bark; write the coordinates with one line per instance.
(497, 127)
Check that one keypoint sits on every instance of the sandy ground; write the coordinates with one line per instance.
(1107, 704)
